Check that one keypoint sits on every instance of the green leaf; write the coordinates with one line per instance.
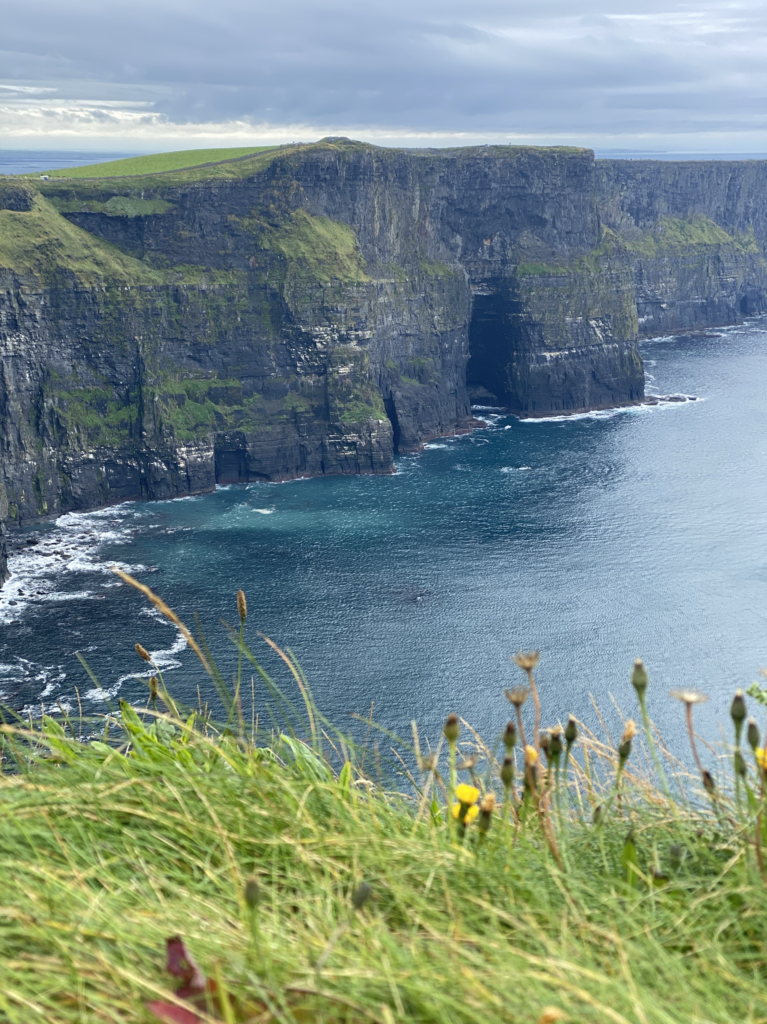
(344, 779)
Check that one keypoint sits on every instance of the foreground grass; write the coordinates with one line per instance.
(109, 846)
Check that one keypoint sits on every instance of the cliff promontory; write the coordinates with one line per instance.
(315, 309)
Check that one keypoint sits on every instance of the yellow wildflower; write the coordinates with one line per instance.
(531, 755)
(761, 757)
(471, 813)
(466, 794)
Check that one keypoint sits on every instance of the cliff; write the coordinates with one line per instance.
(314, 309)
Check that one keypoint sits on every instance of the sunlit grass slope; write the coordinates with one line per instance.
(157, 163)
(316, 880)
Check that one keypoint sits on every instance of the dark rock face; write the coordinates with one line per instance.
(329, 307)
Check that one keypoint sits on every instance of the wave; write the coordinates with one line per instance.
(52, 554)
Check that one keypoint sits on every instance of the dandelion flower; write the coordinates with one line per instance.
(531, 755)
(469, 816)
(761, 757)
(688, 696)
(466, 794)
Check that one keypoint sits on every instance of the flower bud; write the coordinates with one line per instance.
(738, 708)
(486, 808)
(739, 764)
(507, 772)
(242, 605)
(510, 737)
(752, 734)
(708, 781)
(598, 814)
(639, 678)
(555, 747)
(543, 742)
(143, 653)
(361, 895)
(252, 893)
(571, 731)
(624, 752)
(452, 729)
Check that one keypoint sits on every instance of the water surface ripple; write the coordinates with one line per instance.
(596, 539)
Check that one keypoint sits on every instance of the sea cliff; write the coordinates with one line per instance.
(315, 309)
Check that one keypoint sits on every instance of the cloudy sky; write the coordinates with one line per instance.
(611, 74)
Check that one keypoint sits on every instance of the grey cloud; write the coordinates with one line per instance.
(556, 67)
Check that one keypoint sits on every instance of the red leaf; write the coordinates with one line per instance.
(181, 963)
(170, 1014)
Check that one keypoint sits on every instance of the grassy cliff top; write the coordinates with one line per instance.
(157, 163)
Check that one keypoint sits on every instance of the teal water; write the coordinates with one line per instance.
(596, 539)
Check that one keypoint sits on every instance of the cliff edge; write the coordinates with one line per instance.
(315, 309)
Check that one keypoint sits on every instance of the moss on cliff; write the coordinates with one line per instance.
(675, 234)
(42, 243)
(115, 206)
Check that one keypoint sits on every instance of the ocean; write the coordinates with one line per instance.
(595, 538)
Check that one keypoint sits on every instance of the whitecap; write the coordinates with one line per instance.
(265, 511)
(515, 469)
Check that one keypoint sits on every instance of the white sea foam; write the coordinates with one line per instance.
(515, 469)
(72, 545)
(432, 445)
(265, 511)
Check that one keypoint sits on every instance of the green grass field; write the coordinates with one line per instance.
(157, 163)
(313, 879)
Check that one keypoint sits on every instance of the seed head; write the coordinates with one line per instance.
(154, 684)
(752, 734)
(639, 678)
(738, 708)
(467, 764)
(252, 893)
(242, 605)
(571, 731)
(428, 763)
(507, 772)
(517, 696)
(361, 895)
(629, 731)
(143, 653)
(527, 660)
(510, 737)
(452, 729)
(688, 697)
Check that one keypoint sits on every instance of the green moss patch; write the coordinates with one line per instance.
(42, 242)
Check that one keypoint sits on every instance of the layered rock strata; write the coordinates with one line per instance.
(315, 309)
